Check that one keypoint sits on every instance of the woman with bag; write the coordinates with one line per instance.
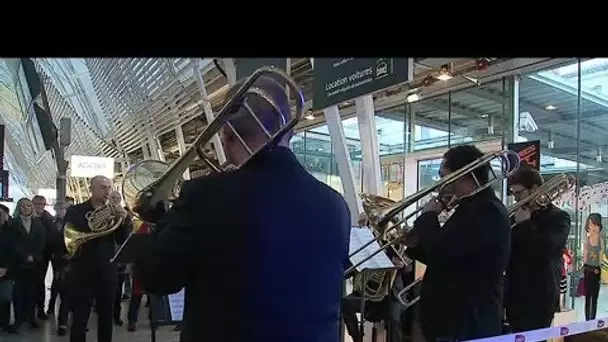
(593, 251)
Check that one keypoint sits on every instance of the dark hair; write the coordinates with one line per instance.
(244, 123)
(596, 219)
(5, 209)
(460, 156)
(69, 199)
(38, 197)
(526, 176)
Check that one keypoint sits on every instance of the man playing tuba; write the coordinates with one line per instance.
(92, 231)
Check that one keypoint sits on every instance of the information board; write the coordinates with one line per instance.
(341, 79)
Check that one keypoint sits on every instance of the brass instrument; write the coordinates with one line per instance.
(380, 217)
(374, 285)
(545, 194)
(102, 221)
(150, 182)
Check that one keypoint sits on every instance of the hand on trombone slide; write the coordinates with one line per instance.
(433, 205)
(522, 214)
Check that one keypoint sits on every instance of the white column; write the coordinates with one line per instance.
(145, 150)
(154, 153)
(347, 175)
(181, 146)
(368, 135)
(159, 150)
(217, 143)
(230, 70)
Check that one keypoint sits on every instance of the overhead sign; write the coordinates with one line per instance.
(89, 167)
(246, 66)
(341, 79)
(528, 151)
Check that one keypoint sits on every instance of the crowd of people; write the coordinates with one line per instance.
(31, 240)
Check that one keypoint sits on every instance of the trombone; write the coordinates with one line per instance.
(150, 182)
(379, 218)
(545, 194)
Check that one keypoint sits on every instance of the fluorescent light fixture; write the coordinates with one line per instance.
(412, 98)
(309, 117)
(550, 107)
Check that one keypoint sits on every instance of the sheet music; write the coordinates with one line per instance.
(176, 305)
(359, 236)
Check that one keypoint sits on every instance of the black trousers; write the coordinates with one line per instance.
(134, 305)
(118, 295)
(592, 289)
(25, 295)
(82, 294)
(5, 313)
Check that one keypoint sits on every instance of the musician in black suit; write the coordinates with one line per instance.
(260, 250)
(537, 243)
(92, 275)
(29, 239)
(461, 293)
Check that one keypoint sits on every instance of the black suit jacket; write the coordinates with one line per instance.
(26, 244)
(534, 271)
(461, 292)
(91, 263)
(7, 249)
(259, 250)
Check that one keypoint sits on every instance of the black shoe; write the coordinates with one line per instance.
(125, 297)
(42, 315)
(11, 329)
(34, 325)
(131, 327)
(118, 321)
(62, 330)
(177, 328)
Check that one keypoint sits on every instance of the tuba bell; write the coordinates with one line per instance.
(101, 221)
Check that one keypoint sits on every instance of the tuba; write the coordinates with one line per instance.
(101, 221)
(380, 218)
(150, 182)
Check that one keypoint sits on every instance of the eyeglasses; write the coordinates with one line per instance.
(516, 192)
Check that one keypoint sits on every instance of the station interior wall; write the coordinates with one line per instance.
(566, 108)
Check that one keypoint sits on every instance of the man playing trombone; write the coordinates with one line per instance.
(260, 250)
(461, 294)
(538, 240)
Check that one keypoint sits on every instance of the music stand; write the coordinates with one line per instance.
(378, 262)
(165, 311)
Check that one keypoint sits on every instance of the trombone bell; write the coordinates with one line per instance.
(150, 182)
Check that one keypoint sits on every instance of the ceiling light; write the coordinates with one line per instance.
(309, 117)
(445, 73)
(473, 80)
(550, 107)
(412, 97)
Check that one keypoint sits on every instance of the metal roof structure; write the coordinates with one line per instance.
(115, 102)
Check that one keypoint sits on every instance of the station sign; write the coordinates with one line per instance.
(337, 80)
(89, 167)
(246, 66)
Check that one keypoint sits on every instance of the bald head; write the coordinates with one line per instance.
(100, 188)
(272, 117)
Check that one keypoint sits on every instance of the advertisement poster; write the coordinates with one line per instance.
(529, 152)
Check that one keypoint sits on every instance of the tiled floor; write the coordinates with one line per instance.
(47, 332)
(602, 305)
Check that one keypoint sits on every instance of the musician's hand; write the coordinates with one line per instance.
(121, 212)
(433, 205)
(522, 215)
(3, 271)
(596, 271)
(29, 259)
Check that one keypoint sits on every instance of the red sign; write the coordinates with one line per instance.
(528, 151)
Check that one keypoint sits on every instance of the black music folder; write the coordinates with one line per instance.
(134, 248)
